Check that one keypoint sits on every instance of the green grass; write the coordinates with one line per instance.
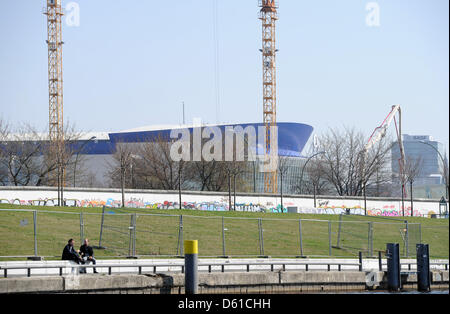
(158, 235)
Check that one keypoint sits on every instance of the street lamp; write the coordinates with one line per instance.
(444, 163)
(76, 159)
(304, 166)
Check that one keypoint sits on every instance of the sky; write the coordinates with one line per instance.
(131, 63)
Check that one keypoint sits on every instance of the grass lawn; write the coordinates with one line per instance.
(157, 232)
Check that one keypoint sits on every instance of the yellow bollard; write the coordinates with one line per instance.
(191, 266)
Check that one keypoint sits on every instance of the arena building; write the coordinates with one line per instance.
(95, 151)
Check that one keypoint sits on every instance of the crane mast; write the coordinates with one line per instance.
(269, 16)
(55, 74)
(54, 14)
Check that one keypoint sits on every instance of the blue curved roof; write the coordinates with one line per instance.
(292, 137)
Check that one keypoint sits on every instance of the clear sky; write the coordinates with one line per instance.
(131, 63)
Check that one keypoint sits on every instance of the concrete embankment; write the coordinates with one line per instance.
(216, 283)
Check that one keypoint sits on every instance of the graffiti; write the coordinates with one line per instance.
(393, 212)
(323, 203)
(141, 204)
(326, 206)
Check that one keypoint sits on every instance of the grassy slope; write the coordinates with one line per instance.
(158, 235)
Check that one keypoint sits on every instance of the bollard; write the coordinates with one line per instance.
(380, 261)
(393, 265)
(360, 260)
(191, 267)
(423, 267)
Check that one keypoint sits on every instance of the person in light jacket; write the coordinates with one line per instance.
(87, 253)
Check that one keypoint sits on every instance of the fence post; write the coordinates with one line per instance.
(407, 238)
(224, 251)
(339, 231)
(180, 236)
(329, 239)
(370, 238)
(301, 237)
(420, 233)
(134, 234)
(101, 227)
(261, 237)
(130, 241)
(35, 233)
(81, 228)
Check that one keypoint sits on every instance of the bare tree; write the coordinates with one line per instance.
(155, 167)
(312, 175)
(19, 157)
(4, 135)
(217, 174)
(413, 167)
(342, 166)
(210, 175)
(218, 180)
(315, 182)
(122, 160)
(51, 159)
(284, 163)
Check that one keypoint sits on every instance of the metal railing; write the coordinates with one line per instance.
(207, 267)
(210, 267)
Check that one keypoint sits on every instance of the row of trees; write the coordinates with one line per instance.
(338, 168)
(27, 160)
(148, 165)
(335, 169)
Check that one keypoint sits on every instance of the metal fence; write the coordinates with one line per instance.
(45, 233)
(356, 232)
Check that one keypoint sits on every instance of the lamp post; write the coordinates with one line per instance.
(229, 191)
(304, 166)
(76, 159)
(444, 163)
(179, 186)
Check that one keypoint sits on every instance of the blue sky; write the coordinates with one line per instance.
(131, 63)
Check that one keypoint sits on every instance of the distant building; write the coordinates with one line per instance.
(97, 151)
(419, 146)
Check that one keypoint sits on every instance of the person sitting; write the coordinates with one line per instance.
(69, 253)
(87, 253)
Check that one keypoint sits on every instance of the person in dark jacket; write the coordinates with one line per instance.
(69, 253)
(87, 253)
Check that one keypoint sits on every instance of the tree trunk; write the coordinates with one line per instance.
(403, 199)
(122, 179)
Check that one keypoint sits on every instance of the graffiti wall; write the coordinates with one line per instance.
(217, 202)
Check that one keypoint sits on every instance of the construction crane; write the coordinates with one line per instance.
(378, 134)
(54, 14)
(269, 15)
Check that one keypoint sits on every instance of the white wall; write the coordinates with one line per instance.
(215, 201)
